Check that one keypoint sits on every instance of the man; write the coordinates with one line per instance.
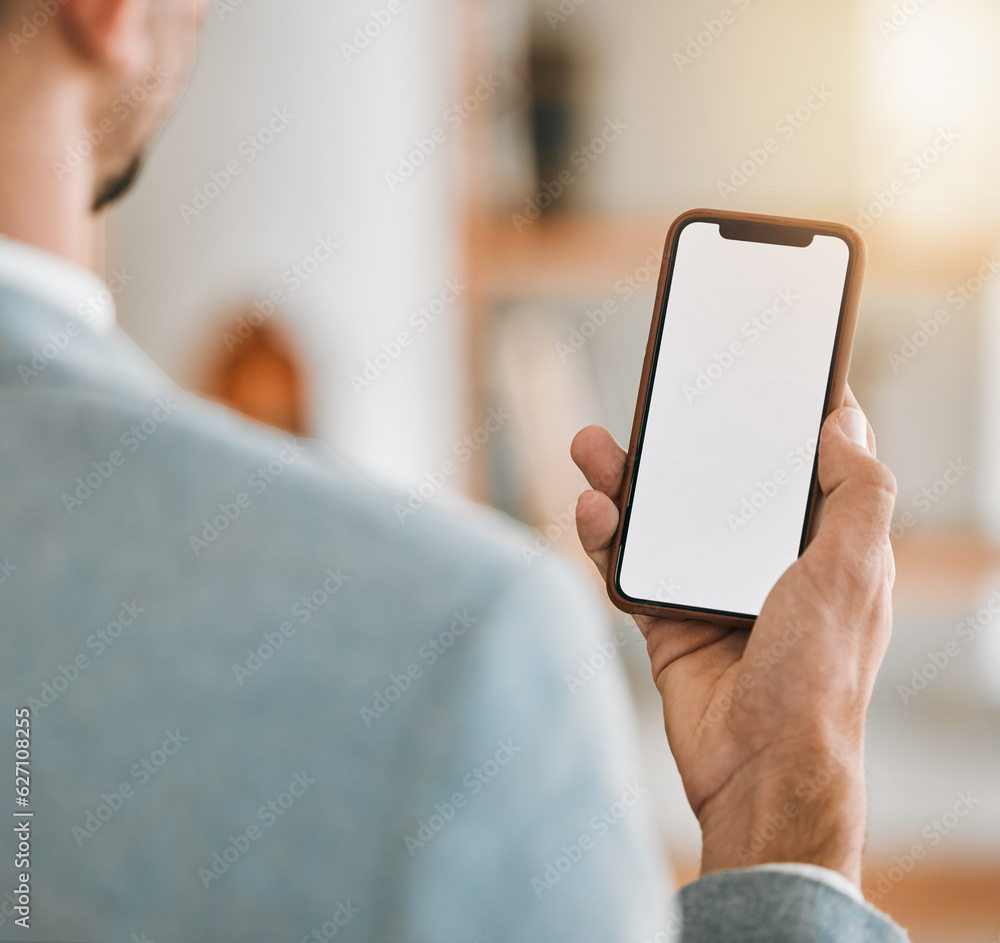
(243, 702)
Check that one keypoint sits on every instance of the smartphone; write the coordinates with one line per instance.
(748, 352)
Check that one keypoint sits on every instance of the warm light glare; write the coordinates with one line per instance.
(937, 66)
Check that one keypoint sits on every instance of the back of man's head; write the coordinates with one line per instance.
(84, 87)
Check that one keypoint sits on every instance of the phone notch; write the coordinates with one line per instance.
(752, 231)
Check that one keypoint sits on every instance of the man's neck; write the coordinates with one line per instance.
(43, 200)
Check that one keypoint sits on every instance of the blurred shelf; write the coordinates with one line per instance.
(946, 571)
(571, 257)
(580, 254)
(568, 256)
(915, 259)
(955, 903)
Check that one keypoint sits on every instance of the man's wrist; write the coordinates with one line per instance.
(808, 808)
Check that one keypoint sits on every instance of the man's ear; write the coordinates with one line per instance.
(109, 33)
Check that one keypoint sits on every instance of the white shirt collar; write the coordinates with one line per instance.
(57, 283)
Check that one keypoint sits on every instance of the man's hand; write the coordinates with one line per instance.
(767, 726)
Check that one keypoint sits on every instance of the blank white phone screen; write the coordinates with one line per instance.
(725, 463)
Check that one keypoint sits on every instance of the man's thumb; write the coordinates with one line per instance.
(853, 424)
(860, 491)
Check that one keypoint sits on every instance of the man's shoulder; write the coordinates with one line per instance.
(104, 450)
(209, 470)
(309, 478)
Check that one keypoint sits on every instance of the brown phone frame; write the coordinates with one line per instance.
(836, 388)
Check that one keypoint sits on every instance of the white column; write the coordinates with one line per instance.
(341, 117)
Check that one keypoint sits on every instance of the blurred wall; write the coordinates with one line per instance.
(700, 84)
(295, 112)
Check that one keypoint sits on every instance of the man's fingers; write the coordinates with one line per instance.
(845, 452)
(600, 458)
(860, 494)
(596, 523)
(668, 642)
(851, 400)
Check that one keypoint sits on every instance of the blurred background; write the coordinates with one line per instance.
(428, 234)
